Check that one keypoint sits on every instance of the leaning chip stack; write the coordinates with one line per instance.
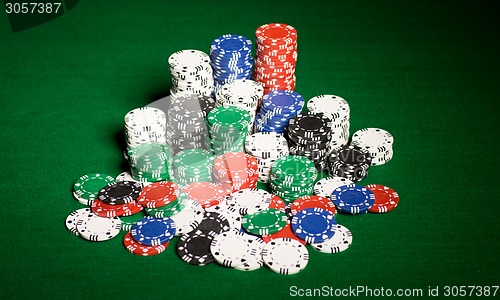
(309, 135)
(243, 93)
(337, 109)
(227, 128)
(378, 142)
(266, 147)
(276, 56)
(144, 125)
(350, 162)
(186, 127)
(191, 73)
(236, 171)
(151, 162)
(193, 165)
(292, 177)
(276, 110)
(231, 59)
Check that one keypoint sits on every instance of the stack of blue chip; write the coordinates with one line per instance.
(276, 110)
(231, 58)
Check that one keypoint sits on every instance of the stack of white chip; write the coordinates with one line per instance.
(337, 109)
(243, 93)
(191, 73)
(145, 125)
(378, 142)
(266, 147)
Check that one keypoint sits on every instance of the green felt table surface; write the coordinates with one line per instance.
(427, 71)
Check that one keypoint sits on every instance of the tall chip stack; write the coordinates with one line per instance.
(191, 73)
(276, 110)
(309, 135)
(337, 109)
(236, 171)
(378, 142)
(350, 162)
(227, 129)
(243, 93)
(193, 165)
(266, 147)
(231, 59)
(276, 56)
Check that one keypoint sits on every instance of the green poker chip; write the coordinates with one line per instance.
(265, 222)
(88, 186)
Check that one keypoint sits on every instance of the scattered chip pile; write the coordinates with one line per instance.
(236, 171)
(277, 108)
(243, 93)
(191, 73)
(377, 142)
(350, 162)
(309, 135)
(227, 128)
(231, 59)
(186, 127)
(276, 56)
(292, 177)
(193, 165)
(266, 147)
(337, 109)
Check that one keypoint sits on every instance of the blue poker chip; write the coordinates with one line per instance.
(353, 199)
(231, 43)
(314, 225)
(283, 101)
(151, 231)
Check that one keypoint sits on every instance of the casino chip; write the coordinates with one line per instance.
(206, 193)
(232, 215)
(173, 207)
(350, 162)
(150, 162)
(125, 176)
(73, 218)
(121, 192)
(193, 165)
(129, 221)
(386, 199)
(194, 247)
(314, 225)
(236, 171)
(86, 188)
(191, 73)
(249, 200)
(266, 147)
(227, 129)
(337, 109)
(213, 222)
(158, 194)
(325, 186)
(187, 219)
(144, 125)
(117, 210)
(338, 243)
(153, 231)
(353, 199)
(311, 202)
(276, 56)
(277, 108)
(285, 232)
(238, 250)
(96, 229)
(142, 250)
(277, 203)
(267, 221)
(285, 256)
(378, 142)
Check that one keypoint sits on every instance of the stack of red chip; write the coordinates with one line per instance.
(276, 57)
(236, 171)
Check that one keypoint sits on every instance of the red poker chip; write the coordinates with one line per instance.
(277, 203)
(142, 250)
(110, 211)
(386, 199)
(205, 193)
(312, 202)
(235, 165)
(276, 33)
(286, 232)
(158, 194)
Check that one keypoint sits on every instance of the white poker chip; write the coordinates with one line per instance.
(340, 241)
(238, 250)
(96, 229)
(285, 256)
(250, 200)
(266, 145)
(187, 219)
(232, 215)
(72, 219)
(325, 187)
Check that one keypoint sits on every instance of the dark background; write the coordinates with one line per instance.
(426, 71)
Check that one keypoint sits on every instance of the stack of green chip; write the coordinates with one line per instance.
(227, 129)
(151, 162)
(193, 165)
(292, 177)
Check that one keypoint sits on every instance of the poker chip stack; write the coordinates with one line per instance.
(337, 109)
(309, 135)
(191, 73)
(276, 56)
(151, 162)
(236, 171)
(186, 127)
(378, 142)
(292, 177)
(144, 125)
(231, 59)
(277, 108)
(350, 162)
(243, 93)
(193, 165)
(227, 129)
(266, 147)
